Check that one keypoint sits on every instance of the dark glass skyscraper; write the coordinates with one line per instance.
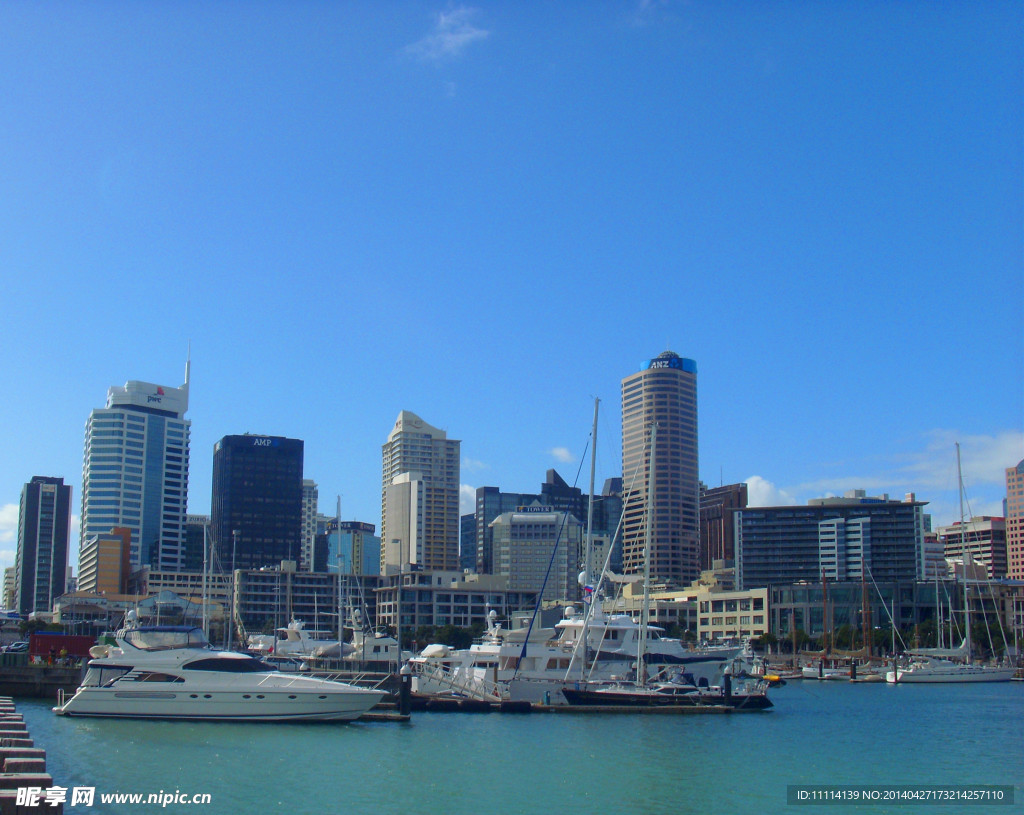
(257, 492)
(44, 523)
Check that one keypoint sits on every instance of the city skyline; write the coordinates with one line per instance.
(489, 215)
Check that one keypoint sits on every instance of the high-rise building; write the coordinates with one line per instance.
(1015, 522)
(844, 538)
(557, 494)
(44, 523)
(419, 497)
(135, 470)
(256, 508)
(717, 541)
(985, 539)
(663, 393)
(310, 513)
(538, 548)
(104, 563)
(351, 547)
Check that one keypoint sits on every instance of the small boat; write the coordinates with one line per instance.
(676, 693)
(171, 672)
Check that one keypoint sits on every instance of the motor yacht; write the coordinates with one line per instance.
(171, 672)
(296, 640)
(533, 665)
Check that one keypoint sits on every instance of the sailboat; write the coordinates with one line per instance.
(678, 691)
(931, 665)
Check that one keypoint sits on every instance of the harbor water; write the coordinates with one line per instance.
(834, 733)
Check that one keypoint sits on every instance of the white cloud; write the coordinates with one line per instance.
(452, 32)
(562, 454)
(763, 493)
(8, 523)
(467, 499)
(472, 465)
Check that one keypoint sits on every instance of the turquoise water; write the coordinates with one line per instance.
(493, 764)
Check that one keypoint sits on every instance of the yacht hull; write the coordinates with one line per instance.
(262, 706)
(965, 674)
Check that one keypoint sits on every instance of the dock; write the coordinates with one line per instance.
(23, 765)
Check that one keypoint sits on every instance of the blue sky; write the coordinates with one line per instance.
(490, 214)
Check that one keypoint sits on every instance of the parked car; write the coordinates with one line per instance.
(16, 648)
(286, 663)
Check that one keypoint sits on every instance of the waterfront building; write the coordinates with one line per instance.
(148, 581)
(419, 497)
(104, 562)
(537, 543)
(93, 613)
(447, 598)
(44, 523)
(256, 509)
(985, 538)
(717, 533)
(725, 615)
(842, 538)
(135, 470)
(1015, 522)
(667, 605)
(918, 608)
(310, 514)
(664, 393)
(270, 598)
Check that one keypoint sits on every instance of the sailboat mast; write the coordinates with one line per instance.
(206, 564)
(645, 609)
(587, 563)
(588, 554)
(963, 553)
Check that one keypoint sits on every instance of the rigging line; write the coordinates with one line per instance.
(547, 573)
(888, 612)
(999, 617)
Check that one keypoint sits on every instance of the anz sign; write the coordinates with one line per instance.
(678, 363)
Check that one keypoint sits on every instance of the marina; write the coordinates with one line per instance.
(817, 733)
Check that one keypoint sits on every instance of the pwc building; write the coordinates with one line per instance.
(256, 508)
(135, 471)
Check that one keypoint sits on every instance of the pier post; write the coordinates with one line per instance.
(405, 690)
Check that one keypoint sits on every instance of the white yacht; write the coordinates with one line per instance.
(170, 672)
(931, 669)
(524, 665)
(296, 640)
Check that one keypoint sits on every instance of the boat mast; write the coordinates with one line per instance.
(963, 553)
(341, 618)
(206, 566)
(588, 555)
(645, 609)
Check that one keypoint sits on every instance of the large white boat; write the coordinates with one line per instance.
(933, 665)
(509, 664)
(170, 672)
(296, 640)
